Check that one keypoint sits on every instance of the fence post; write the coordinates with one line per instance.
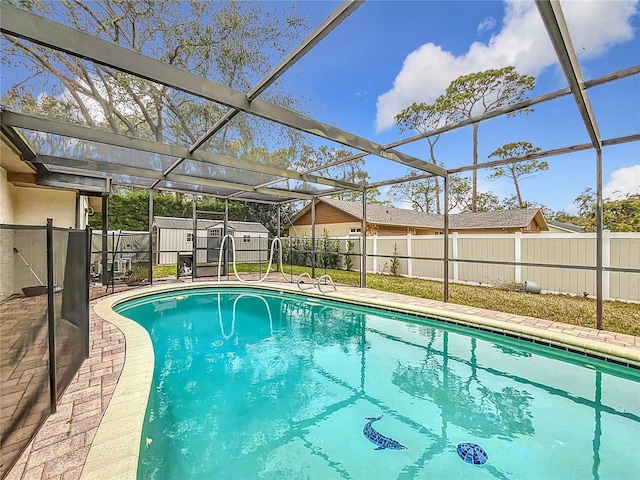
(517, 256)
(606, 262)
(51, 320)
(409, 260)
(454, 254)
(151, 237)
(375, 253)
(105, 241)
(151, 258)
(88, 292)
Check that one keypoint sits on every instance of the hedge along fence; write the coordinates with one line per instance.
(421, 256)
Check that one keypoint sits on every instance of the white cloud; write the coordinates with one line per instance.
(522, 42)
(623, 181)
(487, 24)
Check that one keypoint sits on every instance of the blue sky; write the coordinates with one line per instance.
(388, 54)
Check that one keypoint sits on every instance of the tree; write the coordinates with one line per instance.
(516, 171)
(486, 202)
(421, 194)
(424, 118)
(622, 215)
(482, 92)
(339, 169)
(228, 42)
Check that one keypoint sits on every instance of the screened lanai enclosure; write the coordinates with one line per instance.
(284, 104)
(185, 99)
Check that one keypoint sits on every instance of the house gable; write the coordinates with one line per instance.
(325, 214)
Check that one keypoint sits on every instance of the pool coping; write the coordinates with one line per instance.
(115, 448)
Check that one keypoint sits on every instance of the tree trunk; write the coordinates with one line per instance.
(474, 190)
(515, 182)
(433, 160)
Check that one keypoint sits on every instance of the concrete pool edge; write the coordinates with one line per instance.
(115, 449)
(548, 336)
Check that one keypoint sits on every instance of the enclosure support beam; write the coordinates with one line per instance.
(313, 237)
(55, 127)
(87, 293)
(194, 239)
(105, 243)
(150, 237)
(599, 249)
(278, 230)
(363, 236)
(446, 239)
(554, 22)
(326, 27)
(149, 173)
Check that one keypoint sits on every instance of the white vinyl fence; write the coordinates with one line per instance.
(620, 250)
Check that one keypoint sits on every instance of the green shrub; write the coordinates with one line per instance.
(395, 262)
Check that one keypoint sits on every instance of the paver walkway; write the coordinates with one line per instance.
(60, 448)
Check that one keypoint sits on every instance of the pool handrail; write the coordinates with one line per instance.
(305, 275)
(326, 277)
(235, 270)
(316, 282)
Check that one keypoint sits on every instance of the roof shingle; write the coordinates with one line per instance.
(385, 215)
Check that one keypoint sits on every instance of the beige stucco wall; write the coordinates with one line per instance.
(32, 206)
(29, 206)
(6, 238)
(6, 198)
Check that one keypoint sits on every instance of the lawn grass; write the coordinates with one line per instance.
(618, 317)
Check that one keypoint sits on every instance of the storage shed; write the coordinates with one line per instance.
(174, 236)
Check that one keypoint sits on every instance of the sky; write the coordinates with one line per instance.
(389, 54)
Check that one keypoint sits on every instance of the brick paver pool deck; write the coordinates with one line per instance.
(95, 433)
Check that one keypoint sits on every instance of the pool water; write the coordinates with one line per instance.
(252, 383)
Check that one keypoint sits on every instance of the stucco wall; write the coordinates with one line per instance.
(6, 198)
(32, 206)
(29, 206)
(6, 237)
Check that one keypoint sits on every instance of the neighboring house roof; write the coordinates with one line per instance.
(567, 227)
(460, 221)
(386, 215)
(518, 218)
(187, 224)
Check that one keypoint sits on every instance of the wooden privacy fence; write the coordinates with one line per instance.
(502, 258)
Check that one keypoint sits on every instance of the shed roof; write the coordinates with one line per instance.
(187, 224)
(569, 227)
(254, 227)
(182, 223)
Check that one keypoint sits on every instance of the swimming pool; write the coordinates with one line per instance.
(251, 383)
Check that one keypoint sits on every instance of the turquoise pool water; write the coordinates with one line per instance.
(253, 383)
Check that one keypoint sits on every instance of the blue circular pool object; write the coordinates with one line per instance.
(472, 453)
